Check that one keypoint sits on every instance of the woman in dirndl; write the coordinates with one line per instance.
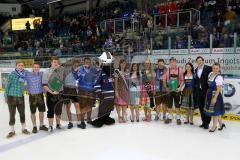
(121, 91)
(188, 93)
(147, 90)
(134, 83)
(214, 101)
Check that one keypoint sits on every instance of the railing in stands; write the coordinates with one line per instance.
(172, 19)
(177, 19)
(120, 25)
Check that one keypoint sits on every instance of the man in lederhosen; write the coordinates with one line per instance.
(52, 81)
(86, 79)
(173, 80)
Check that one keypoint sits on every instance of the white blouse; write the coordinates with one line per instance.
(219, 80)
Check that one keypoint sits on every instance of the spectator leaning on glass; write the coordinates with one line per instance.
(52, 82)
(36, 100)
(14, 94)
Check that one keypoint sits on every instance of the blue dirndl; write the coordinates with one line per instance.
(218, 108)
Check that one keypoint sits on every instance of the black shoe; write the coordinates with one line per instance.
(108, 120)
(206, 127)
(98, 123)
(167, 121)
(82, 125)
(179, 122)
(201, 126)
(70, 125)
(89, 122)
(186, 122)
(221, 128)
(43, 128)
(34, 130)
(58, 126)
(213, 130)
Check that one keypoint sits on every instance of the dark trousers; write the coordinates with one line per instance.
(201, 97)
(54, 105)
(105, 108)
(13, 104)
(174, 96)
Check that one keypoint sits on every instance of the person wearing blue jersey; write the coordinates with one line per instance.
(70, 93)
(104, 88)
(86, 79)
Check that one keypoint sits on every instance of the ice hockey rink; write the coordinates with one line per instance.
(130, 141)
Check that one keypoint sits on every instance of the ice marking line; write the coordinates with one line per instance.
(29, 139)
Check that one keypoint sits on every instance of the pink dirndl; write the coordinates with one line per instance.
(123, 98)
(145, 100)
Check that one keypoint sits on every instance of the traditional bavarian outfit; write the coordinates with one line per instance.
(122, 88)
(147, 89)
(161, 94)
(216, 109)
(174, 77)
(86, 80)
(134, 96)
(187, 101)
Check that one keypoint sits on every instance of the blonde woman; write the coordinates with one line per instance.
(214, 104)
(121, 90)
(147, 90)
(134, 83)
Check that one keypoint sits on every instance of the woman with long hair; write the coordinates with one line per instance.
(121, 90)
(147, 90)
(188, 93)
(134, 87)
(214, 103)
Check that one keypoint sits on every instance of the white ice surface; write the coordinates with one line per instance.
(131, 141)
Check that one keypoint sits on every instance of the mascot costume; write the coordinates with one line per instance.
(104, 88)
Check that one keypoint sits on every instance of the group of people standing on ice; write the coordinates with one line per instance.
(163, 87)
(157, 89)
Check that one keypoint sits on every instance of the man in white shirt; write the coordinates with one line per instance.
(201, 86)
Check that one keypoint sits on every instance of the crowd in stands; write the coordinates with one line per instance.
(82, 32)
(69, 33)
(219, 18)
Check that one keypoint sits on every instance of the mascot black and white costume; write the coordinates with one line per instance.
(104, 88)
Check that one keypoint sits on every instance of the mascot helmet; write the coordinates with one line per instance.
(106, 58)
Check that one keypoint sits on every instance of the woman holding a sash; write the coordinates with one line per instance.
(147, 90)
(121, 91)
